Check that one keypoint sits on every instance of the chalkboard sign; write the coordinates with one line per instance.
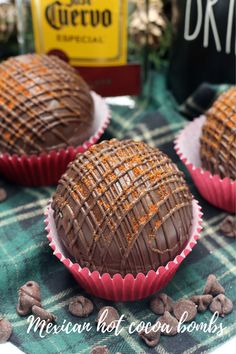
(204, 45)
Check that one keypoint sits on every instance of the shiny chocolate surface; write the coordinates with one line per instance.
(123, 207)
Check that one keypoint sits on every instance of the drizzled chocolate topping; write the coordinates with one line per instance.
(123, 207)
(44, 105)
(218, 140)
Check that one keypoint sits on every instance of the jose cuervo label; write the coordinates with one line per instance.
(92, 35)
(87, 32)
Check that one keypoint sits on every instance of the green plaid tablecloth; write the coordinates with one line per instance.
(25, 254)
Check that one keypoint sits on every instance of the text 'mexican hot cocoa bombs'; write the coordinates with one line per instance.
(123, 207)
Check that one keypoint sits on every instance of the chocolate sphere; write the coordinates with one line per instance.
(44, 105)
(123, 207)
(218, 139)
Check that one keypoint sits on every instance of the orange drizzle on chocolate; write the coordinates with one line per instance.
(218, 140)
(44, 105)
(123, 207)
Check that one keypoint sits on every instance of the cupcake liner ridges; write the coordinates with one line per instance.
(217, 191)
(118, 288)
(46, 168)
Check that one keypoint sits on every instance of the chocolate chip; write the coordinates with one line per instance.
(29, 295)
(5, 330)
(3, 195)
(112, 315)
(221, 304)
(228, 226)
(152, 338)
(81, 306)
(100, 349)
(161, 303)
(202, 301)
(45, 316)
(212, 286)
(187, 306)
(171, 328)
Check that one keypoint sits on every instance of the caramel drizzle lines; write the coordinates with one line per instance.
(153, 208)
(94, 158)
(33, 97)
(215, 140)
(121, 197)
(74, 187)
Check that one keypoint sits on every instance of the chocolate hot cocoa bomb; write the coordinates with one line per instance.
(44, 105)
(122, 207)
(218, 139)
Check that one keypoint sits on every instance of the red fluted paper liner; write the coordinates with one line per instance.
(118, 288)
(217, 191)
(46, 168)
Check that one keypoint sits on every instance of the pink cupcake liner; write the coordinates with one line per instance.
(118, 288)
(217, 191)
(46, 168)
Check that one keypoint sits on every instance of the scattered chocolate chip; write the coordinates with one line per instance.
(171, 322)
(44, 315)
(161, 303)
(3, 195)
(183, 305)
(202, 301)
(112, 315)
(5, 330)
(221, 304)
(228, 226)
(100, 349)
(152, 338)
(29, 295)
(212, 286)
(81, 306)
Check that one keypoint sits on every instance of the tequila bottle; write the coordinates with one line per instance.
(92, 35)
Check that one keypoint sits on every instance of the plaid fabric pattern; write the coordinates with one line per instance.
(25, 253)
(201, 99)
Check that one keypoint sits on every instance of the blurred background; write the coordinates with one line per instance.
(193, 41)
